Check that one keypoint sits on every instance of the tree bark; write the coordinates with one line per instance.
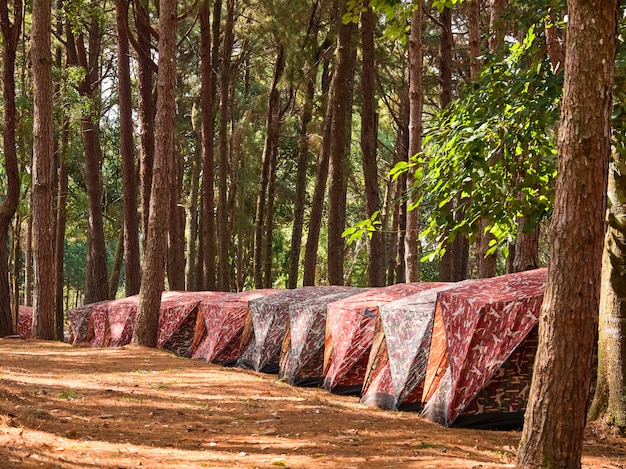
(339, 135)
(556, 414)
(301, 180)
(208, 130)
(411, 239)
(116, 268)
(319, 191)
(42, 172)
(153, 266)
(61, 222)
(145, 109)
(176, 235)
(222, 207)
(369, 142)
(446, 264)
(269, 154)
(10, 34)
(127, 150)
(609, 400)
(473, 29)
(96, 288)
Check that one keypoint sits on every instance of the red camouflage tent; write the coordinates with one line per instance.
(397, 363)
(482, 351)
(79, 322)
(111, 323)
(25, 322)
(266, 324)
(220, 325)
(350, 325)
(302, 355)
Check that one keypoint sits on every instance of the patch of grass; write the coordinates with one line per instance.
(424, 445)
(68, 394)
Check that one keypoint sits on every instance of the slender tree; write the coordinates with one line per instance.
(42, 172)
(222, 206)
(369, 141)
(269, 155)
(10, 34)
(556, 414)
(208, 129)
(411, 239)
(153, 265)
(127, 150)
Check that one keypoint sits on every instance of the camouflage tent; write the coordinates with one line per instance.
(111, 323)
(266, 324)
(220, 325)
(397, 363)
(350, 325)
(79, 322)
(302, 355)
(482, 351)
(177, 319)
(25, 322)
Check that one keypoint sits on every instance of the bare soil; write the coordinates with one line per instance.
(68, 407)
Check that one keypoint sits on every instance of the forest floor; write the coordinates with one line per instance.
(69, 407)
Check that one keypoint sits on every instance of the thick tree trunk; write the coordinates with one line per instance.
(153, 266)
(411, 239)
(609, 400)
(319, 190)
(223, 242)
(526, 255)
(42, 172)
(10, 34)
(556, 414)
(269, 153)
(339, 134)
(208, 129)
(127, 150)
(28, 257)
(369, 142)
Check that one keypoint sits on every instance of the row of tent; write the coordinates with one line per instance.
(460, 353)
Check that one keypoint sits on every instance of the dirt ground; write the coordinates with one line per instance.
(67, 407)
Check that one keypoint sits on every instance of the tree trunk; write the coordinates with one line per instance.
(28, 256)
(222, 209)
(369, 142)
(208, 129)
(176, 244)
(319, 191)
(301, 176)
(486, 265)
(269, 222)
(145, 109)
(127, 150)
(193, 232)
(116, 268)
(556, 414)
(526, 255)
(61, 222)
(153, 267)
(42, 172)
(96, 288)
(411, 239)
(339, 136)
(609, 400)
(10, 34)
(446, 264)
(473, 29)
(269, 153)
